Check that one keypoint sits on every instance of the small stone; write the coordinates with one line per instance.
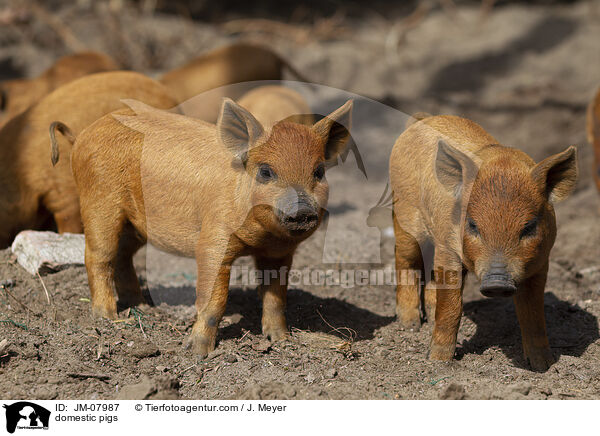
(161, 368)
(141, 350)
(48, 252)
(3, 345)
(310, 378)
(454, 391)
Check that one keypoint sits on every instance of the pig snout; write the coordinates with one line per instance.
(497, 281)
(297, 212)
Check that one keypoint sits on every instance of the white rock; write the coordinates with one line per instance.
(48, 252)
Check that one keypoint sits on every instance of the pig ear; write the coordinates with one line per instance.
(557, 175)
(237, 128)
(453, 167)
(336, 128)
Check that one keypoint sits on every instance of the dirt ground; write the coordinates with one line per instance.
(524, 72)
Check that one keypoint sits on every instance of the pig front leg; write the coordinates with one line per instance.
(409, 262)
(529, 305)
(215, 254)
(448, 273)
(273, 291)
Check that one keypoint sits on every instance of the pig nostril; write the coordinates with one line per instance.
(300, 218)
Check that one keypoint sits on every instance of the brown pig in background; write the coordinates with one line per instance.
(34, 193)
(487, 209)
(593, 134)
(273, 103)
(210, 192)
(206, 77)
(18, 94)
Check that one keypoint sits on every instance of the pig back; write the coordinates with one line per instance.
(425, 208)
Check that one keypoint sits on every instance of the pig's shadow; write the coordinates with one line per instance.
(571, 329)
(305, 311)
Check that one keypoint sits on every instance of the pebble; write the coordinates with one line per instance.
(141, 350)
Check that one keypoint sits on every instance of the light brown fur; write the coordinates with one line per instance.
(455, 187)
(273, 103)
(17, 95)
(33, 191)
(593, 134)
(198, 190)
(235, 63)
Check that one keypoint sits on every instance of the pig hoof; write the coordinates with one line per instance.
(276, 334)
(104, 312)
(410, 320)
(540, 360)
(442, 352)
(200, 346)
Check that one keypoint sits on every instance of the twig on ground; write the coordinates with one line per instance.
(44, 286)
(81, 376)
(349, 335)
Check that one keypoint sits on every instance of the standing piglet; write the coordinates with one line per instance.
(486, 208)
(210, 192)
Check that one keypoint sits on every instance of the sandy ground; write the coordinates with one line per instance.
(524, 73)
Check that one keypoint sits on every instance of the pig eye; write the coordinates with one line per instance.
(529, 229)
(472, 226)
(320, 172)
(265, 173)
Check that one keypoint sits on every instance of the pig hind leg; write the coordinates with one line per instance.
(126, 280)
(409, 271)
(102, 237)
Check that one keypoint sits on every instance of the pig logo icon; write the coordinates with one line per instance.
(26, 415)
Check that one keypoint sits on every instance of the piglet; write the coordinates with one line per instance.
(486, 208)
(213, 192)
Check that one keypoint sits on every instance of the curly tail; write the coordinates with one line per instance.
(66, 132)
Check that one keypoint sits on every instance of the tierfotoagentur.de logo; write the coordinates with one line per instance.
(25, 415)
